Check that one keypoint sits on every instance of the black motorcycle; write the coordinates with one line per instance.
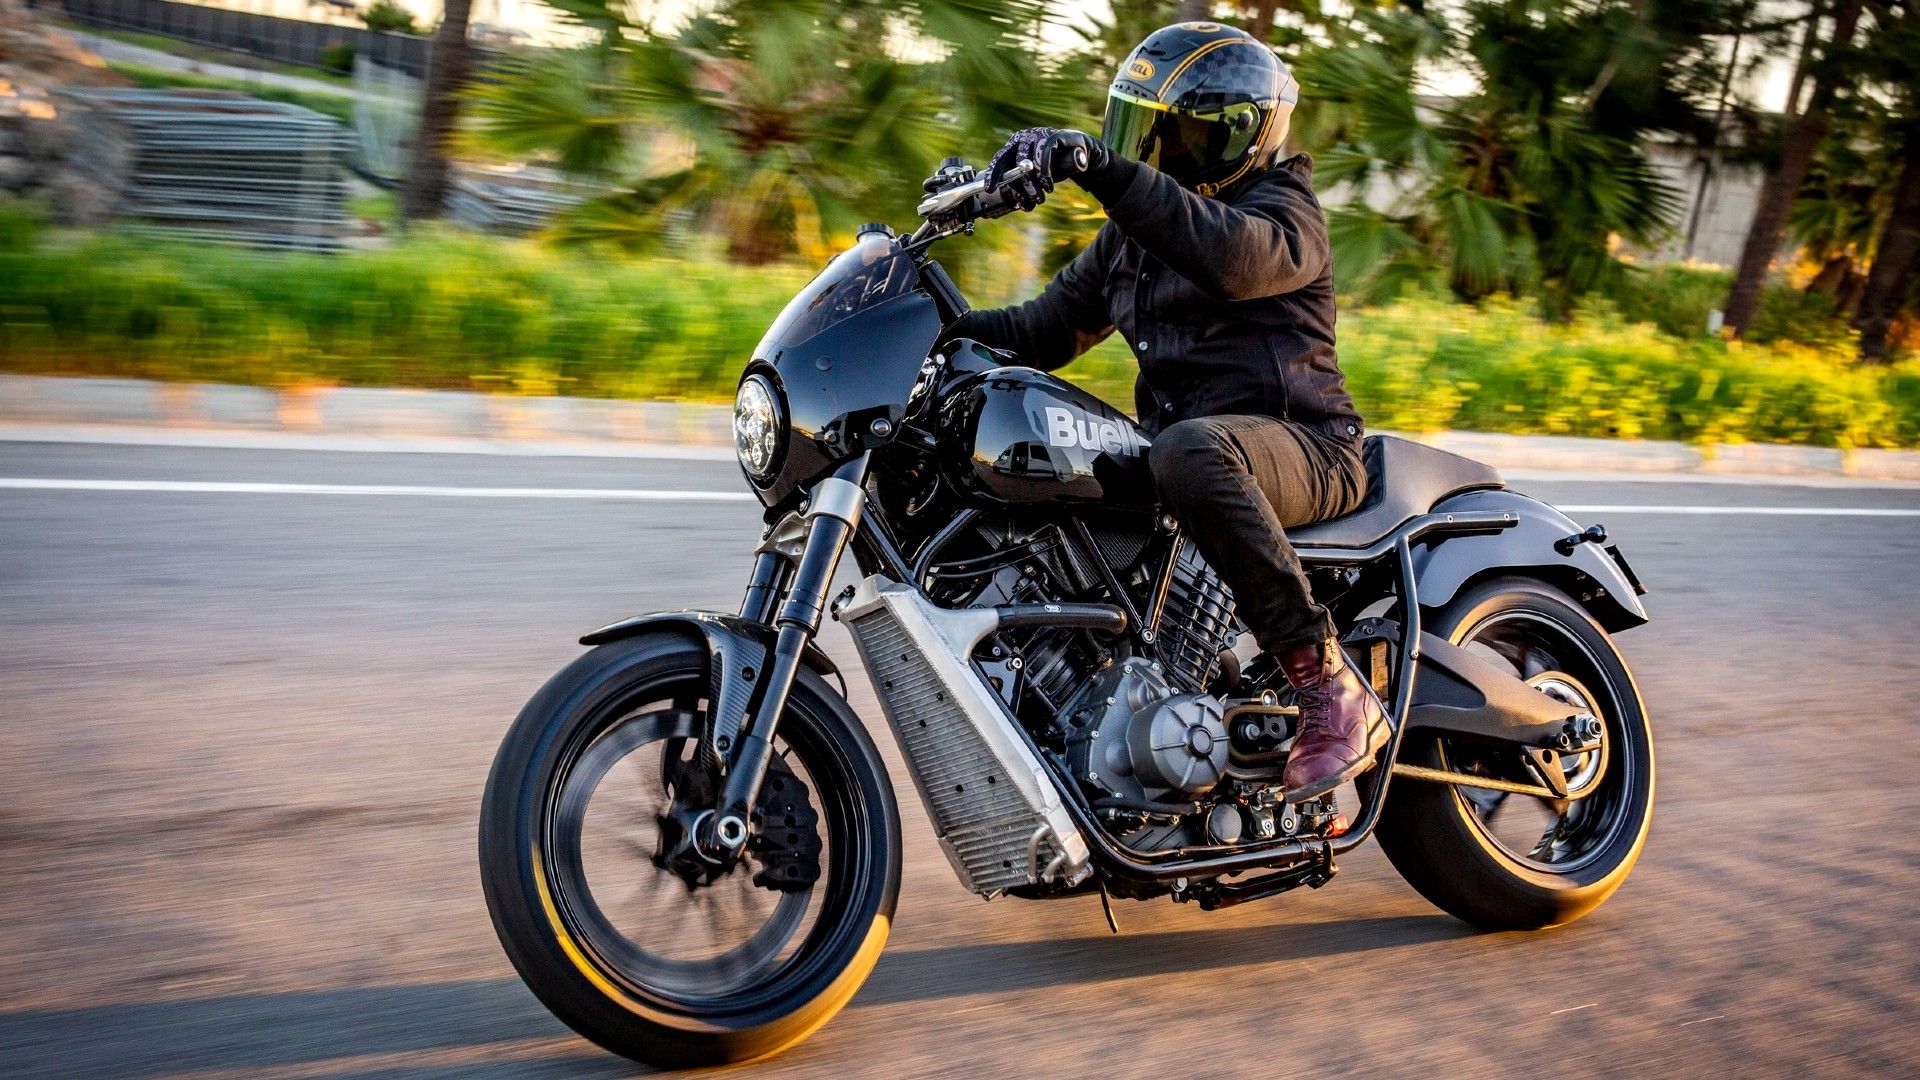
(690, 846)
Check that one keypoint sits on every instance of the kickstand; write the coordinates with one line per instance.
(1106, 905)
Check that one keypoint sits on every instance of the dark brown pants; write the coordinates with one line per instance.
(1235, 483)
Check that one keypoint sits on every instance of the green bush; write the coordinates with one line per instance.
(453, 311)
(338, 56)
(388, 16)
(1678, 299)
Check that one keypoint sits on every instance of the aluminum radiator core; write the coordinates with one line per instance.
(993, 805)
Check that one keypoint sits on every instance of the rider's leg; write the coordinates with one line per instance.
(1236, 483)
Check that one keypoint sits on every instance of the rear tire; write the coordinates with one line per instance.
(1435, 835)
(590, 977)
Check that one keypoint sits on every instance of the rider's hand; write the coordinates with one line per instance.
(1055, 154)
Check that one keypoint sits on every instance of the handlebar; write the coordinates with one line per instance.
(955, 209)
(944, 203)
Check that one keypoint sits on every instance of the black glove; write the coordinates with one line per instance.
(1056, 154)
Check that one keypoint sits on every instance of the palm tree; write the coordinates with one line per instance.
(1889, 285)
(425, 191)
(1777, 194)
(1523, 184)
(775, 124)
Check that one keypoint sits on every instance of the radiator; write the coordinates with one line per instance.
(993, 806)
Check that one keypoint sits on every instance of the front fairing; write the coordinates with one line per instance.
(844, 352)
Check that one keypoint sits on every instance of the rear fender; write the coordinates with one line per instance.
(1589, 574)
(737, 650)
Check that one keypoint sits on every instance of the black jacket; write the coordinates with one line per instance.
(1226, 303)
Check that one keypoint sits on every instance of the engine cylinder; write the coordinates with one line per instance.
(1197, 621)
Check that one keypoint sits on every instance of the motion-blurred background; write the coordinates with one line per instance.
(1548, 216)
(252, 669)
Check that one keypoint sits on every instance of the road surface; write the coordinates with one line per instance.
(245, 717)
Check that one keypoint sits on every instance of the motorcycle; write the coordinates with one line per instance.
(690, 846)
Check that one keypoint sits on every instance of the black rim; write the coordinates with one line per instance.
(1551, 836)
(727, 947)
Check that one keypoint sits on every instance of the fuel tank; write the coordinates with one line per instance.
(1017, 435)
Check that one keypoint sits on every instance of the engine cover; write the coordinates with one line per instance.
(1129, 734)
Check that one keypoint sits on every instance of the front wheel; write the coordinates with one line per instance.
(1508, 861)
(645, 959)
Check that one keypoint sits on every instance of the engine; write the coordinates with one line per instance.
(1141, 728)
(1128, 733)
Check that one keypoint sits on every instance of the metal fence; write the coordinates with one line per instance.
(386, 113)
(289, 40)
(212, 165)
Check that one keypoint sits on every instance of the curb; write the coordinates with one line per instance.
(361, 411)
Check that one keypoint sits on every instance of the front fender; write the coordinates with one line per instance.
(736, 656)
(1590, 575)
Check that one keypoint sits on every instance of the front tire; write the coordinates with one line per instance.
(630, 985)
(1450, 842)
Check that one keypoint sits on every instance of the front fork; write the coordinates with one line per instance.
(830, 515)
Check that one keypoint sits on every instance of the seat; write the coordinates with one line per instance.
(1404, 480)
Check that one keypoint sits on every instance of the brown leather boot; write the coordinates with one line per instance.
(1341, 727)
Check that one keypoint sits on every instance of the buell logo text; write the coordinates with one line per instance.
(1065, 428)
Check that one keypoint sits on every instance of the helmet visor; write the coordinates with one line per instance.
(1178, 142)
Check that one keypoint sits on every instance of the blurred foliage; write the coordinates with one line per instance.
(388, 16)
(777, 125)
(1521, 185)
(1679, 299)
(338, 106)
(1848, 202)
(451, 311)
(337, 57)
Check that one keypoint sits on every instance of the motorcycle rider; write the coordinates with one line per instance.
(1214, 263)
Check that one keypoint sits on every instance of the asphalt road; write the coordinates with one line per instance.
(243, 734)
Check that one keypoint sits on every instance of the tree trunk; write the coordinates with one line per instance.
(1193, 11)
(425, 192)
(1710, 151)
(1814, 12)
(1804, 132)
(1893, 260)
(1832, 277)
(1261, 23)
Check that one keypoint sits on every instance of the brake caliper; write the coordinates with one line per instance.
(786, 832)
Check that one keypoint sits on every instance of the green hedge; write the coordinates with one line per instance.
(463, 312)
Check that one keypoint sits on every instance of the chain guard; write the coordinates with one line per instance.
(786, 833)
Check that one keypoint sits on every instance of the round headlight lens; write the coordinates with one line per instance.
(756, 427)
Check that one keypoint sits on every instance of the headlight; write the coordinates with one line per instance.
(758, 427)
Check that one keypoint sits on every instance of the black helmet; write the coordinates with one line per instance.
(1201, 102)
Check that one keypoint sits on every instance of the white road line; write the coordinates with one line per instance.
(193, 439)
(215, 487)
(1770, 511)
(207, 439)
(421, 491)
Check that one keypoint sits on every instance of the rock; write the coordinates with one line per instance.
(78, 199)
(37, 55)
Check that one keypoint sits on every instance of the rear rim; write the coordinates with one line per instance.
(1552, 836)
(723, 947)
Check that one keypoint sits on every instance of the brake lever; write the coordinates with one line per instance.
(942, 203)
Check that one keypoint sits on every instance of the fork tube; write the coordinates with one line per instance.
(833, 512)
(763, 587)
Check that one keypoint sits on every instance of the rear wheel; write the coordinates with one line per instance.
(1511, 861)
(652, 961)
